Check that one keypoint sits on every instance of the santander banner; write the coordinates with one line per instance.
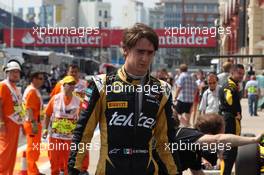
(168, 38)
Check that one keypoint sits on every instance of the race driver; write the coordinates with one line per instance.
(129, 118)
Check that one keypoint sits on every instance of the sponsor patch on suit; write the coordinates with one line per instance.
(117, 104)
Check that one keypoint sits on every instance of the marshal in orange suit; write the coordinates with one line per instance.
(10, 118)
(33, 103)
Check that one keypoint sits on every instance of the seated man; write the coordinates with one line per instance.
(204, 141)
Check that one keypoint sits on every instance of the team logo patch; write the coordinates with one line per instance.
(117, 104)
(117, 87)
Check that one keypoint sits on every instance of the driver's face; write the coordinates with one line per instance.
(140, 57)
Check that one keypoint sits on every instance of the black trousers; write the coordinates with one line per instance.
(229, 156)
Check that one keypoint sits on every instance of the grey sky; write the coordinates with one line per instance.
(117, 6)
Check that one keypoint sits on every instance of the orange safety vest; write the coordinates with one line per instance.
(27, 90)
(18, 116)
(64, 118)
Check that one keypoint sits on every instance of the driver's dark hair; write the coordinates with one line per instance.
(138, 31)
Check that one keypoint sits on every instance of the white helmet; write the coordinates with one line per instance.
(12, 65)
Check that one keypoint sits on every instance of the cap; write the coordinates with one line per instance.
(12, 65)
(68, 79)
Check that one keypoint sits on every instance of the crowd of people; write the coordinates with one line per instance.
(208, 85)
(138, 129)
(27, 111)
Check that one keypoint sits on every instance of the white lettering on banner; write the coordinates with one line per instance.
(169, 37)
(75, 40)
(123, 120)
(183, 40)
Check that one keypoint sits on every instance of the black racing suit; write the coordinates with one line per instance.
(126, 133)
(229, 108)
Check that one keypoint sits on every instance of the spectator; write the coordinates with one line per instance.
(223, 77)
(200, 77)
(177, 74)
(170, 79)
(184, 95)
(260, 79)
(162, 74)
(252, 90)
(210, 102)
(201, 83)
(55, 73)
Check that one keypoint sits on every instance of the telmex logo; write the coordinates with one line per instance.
(123, 120)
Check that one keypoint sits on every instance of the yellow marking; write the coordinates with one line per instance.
(261, 148)
(238, 127)
(228, 96)
(222, 167)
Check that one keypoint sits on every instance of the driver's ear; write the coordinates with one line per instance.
(125, 51)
